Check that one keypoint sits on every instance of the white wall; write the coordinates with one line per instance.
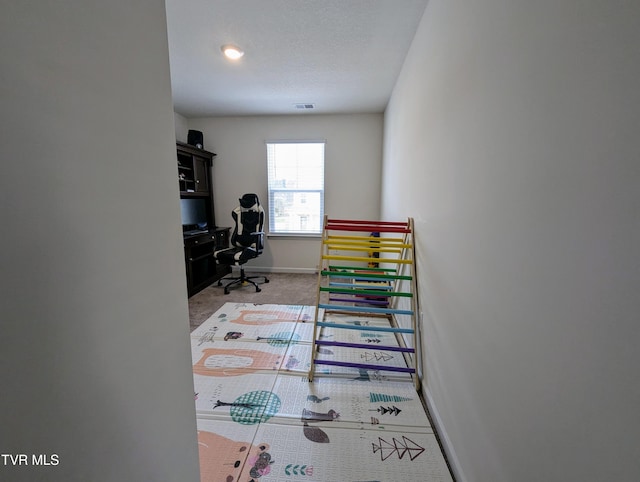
(512, 138)
(180, 124)
(353, 156)
(94, 343)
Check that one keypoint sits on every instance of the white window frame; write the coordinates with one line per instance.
(273, 189)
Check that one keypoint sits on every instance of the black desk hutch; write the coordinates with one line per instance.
(201, 235)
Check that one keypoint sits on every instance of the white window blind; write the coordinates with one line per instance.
(296, 187)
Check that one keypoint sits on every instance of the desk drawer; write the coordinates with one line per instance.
(199, 240)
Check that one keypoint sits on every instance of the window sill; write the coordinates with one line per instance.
(294, 235)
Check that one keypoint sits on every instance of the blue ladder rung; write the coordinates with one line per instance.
(365, 366)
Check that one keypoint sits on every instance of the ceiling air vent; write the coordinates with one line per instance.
(305, 106)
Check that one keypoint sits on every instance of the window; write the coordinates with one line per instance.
(296, 187)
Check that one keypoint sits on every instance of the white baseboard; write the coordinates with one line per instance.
(444, 438)
(260, 269)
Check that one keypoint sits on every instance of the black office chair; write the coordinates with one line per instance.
(247, 241)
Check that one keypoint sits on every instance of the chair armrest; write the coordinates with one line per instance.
(259, 240)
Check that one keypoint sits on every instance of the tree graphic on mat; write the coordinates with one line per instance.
(252, 407)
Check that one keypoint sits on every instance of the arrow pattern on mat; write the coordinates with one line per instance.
(296, 470)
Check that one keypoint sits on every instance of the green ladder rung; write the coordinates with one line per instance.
(386, 329)
(365, 292)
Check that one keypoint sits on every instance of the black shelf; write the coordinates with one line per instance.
(201, 267)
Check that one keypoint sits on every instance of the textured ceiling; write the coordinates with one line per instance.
(341, 55)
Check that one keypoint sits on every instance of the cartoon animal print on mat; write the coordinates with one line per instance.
(306, 317)
(222, 459)
(309, 416)
(221, 362)
(364, 375)
(292, 362)
(262, 317)
(316, 434)
(233, 335)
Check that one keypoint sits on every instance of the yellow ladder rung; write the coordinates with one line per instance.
(362, 248)
(373, 242)
(367, 260)
(367, 238)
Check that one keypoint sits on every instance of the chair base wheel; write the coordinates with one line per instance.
(241, 281)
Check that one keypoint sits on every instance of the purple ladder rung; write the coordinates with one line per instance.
(365, 366)
(360, 345)
(361, 300)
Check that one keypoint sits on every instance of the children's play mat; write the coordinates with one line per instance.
(260, 419)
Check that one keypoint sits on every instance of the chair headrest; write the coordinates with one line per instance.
(249, 200)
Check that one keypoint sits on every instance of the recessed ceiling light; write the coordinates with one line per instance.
(232, 52)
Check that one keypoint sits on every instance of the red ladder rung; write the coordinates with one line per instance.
(372, 223)
(370, 228)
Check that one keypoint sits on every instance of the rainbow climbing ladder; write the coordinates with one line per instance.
(367, 275)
